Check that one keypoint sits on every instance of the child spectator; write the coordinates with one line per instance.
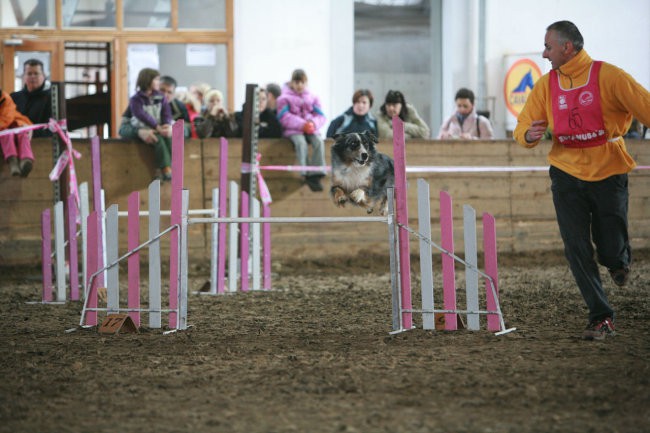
(395, 105)
(466, 123)
(150, 110)
(357, 118)
(16, 148)
(215, 121)
(301, 116)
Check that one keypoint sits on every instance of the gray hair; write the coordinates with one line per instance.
(567, 31)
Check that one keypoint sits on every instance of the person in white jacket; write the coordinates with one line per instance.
(466, 123)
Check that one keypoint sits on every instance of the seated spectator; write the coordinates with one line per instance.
(273, 92)
(16, 148)
(395, 105)
(35, 98)
(267, 123)
(179, 110)
(193, 109)
(199, 91)
(357, 118)
(214, 120)
(466, 123)
(301, 116)
(150, 110)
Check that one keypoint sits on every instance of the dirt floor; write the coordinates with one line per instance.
(315, 355)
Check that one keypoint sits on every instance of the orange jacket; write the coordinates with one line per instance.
(10, 117)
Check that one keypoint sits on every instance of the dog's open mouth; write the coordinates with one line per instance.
(361, 161)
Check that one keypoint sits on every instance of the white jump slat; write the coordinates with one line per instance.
(471, 276)
(154, 256)
(215, 243)
(426, 265)
(59, 247)
(233, 236)
(113, 274)
(85, 210)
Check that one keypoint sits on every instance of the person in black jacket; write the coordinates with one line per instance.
(35, 98)
(269, 126)
(357, 118)
(179, 110)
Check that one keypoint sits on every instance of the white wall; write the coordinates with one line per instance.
(272, 38)
(616, 32)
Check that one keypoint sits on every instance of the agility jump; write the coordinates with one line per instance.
(398, 234)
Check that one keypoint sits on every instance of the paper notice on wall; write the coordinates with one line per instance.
(140, 56)
(201, 55)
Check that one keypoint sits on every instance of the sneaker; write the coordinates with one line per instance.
(26, 167)
(14, 168)
(313, 182)
(620, 276)
(167, 173)
(599, 329)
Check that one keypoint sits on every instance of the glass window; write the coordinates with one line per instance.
(88, 13)
(27, 13)
(187, 64)
(147, 14)
(202, 14)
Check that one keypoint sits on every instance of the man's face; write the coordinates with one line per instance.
(33, 77)
(558, 53)
(167, 90)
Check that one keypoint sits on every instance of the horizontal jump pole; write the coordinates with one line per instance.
(168, 212)
(377, 219)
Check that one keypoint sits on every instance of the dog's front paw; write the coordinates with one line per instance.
(358, 196)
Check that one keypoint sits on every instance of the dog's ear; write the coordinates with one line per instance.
(371, 137)
(337, 136)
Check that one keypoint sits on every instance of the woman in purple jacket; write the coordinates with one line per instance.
(301, 116)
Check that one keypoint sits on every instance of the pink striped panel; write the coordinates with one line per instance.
(134, 260)
(46, 254)
(448, 270)
(490, 251)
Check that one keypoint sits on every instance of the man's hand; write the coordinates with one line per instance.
(536, 131)
(147, 135)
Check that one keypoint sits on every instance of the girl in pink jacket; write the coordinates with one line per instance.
(301, 116)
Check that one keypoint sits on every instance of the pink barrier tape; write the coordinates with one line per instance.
(401, 211)
(133, 233)
(46, 254)
(66, 159)
(448, 269)
(497, 169)
(431, 169)
(265, 194)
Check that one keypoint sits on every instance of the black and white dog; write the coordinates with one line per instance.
(360, 174)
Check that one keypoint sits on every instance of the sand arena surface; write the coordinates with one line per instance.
(314, 355)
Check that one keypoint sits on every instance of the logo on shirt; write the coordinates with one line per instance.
(561, 102)
(586, 98)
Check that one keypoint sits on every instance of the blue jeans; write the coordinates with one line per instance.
(595, 211)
